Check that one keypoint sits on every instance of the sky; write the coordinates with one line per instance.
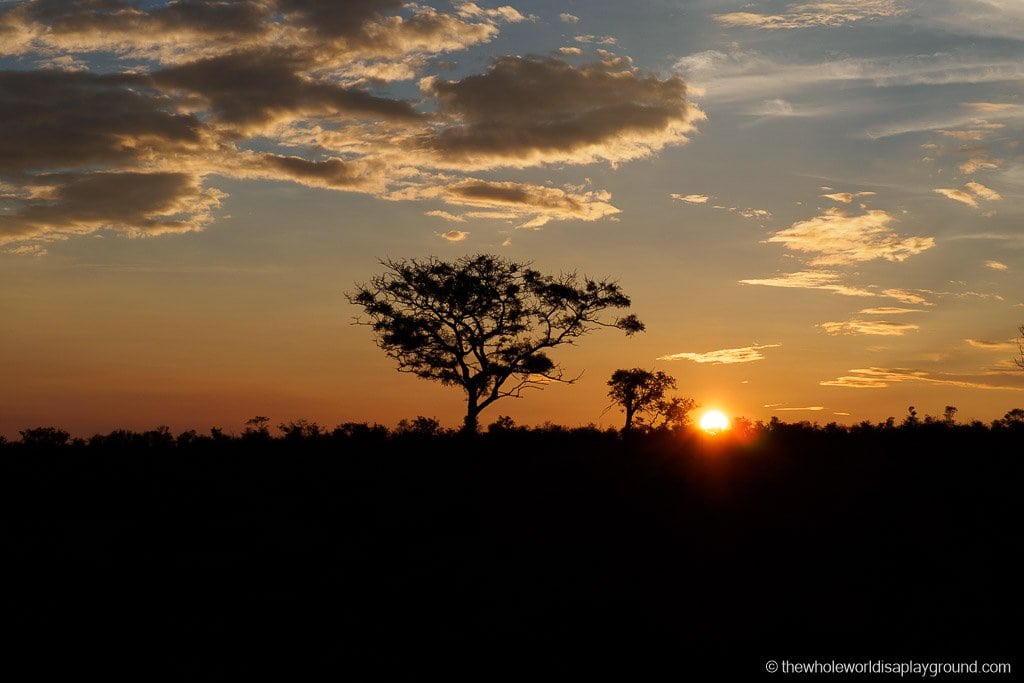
(816, 207)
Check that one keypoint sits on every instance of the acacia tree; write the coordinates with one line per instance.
(641, 394)
(483, 323)
(1020, 348)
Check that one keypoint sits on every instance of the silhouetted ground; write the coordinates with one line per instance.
(544, 555)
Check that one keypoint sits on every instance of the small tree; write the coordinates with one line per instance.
(1020, 348)
(641, 394)
(44, 437)
(483, 323)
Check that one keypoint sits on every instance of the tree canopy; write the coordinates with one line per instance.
(484, 323)
(641, 394)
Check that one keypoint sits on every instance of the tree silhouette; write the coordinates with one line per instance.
(44, 437)
(641, 394)
(1020, 348)
(483, 323)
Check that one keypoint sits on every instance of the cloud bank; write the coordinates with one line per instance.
(136, 108)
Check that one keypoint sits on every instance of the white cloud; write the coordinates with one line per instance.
(738, 74)
(799, 15)
(569, 18)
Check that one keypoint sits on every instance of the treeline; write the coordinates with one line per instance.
(543, 553)
(258, 431)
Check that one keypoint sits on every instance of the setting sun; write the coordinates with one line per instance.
(714, 421)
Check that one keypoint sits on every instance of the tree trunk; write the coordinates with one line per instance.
(470, 424)
(629, 419)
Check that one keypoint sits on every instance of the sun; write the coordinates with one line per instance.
(714, 421)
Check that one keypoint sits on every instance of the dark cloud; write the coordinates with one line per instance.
(257, 87)
(330, 173)
(60, 120)
(200, 16)
(228, 86)
(527, 110)
(178, 27)
(137, 203)
(345, 18)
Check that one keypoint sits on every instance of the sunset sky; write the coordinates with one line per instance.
(816, 207)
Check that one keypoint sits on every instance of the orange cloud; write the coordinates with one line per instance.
(840, 238)
(882, 328)
(969, 194)
(880, 378)
(691, 198)
(830, 281)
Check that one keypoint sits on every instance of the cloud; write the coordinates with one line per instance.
(1009, 345)
(290, 90)
(839, 238)
(600, 40)
(989, 107)
(332, 173)
(455, 235)
(64, 120)
(535, 204)
(985, 18)
(570, 51)
(27, 250)
(812, 409)
(250, 90)
(746, 213)
(746, 354)
(890, 310)
(880, 378)
(812, 14)
(569, 18)
(882, 328)
(979, 163)
(444, 215)
(847, 197)
(505, 12)
(182, 31)
(526, 111)
(137, 204)
(969, 194)
(737, 74)
(690, 198)
(996, 265)
(830, 281)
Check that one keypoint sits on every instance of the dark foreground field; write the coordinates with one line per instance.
(544, 555)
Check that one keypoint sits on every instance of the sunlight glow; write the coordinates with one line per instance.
(714, 421)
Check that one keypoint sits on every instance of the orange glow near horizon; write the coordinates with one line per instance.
(714, 421)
